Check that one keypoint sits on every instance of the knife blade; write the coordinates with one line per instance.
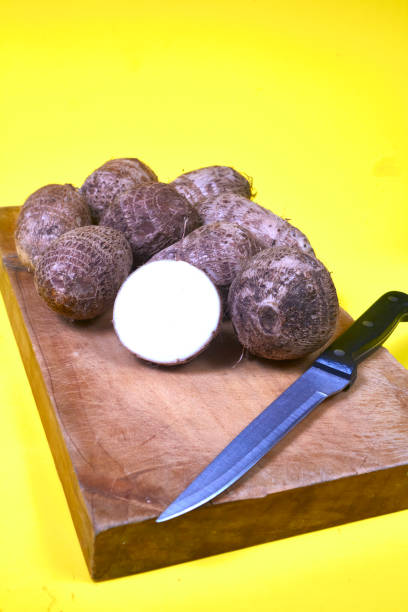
(333, 371)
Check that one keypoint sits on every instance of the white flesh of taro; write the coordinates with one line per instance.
(167, 312)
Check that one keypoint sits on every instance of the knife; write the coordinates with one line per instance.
(333, 371)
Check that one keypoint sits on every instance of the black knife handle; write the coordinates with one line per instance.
(370, 330)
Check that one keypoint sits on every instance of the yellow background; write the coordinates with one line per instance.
(308, 98)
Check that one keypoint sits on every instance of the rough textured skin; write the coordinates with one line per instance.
(151, 216)
(219, 249)
(113, 177)
(283, 305)
(81, 272)
(48, 213)
(269, 229)
(209, 182)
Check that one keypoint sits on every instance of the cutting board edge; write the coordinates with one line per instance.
(79, 510)
(103, 529)
(286, 514)
(8, 217)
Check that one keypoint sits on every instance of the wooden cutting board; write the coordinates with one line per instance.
(128, 437)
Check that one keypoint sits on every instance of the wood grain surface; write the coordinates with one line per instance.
(127, 437)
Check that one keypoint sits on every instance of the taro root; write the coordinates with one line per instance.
(113, 177)
(167, 312)
(204, 183)
(79, 275)
(283, 304)
(220, 249)
(48, 213)
(269, 229)
(151, 216)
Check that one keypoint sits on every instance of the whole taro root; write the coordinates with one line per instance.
(80, 274)
(151, 216)
(283, 304)
(113, 177)
(211, 181)
(269, 229)
(48, 213)
(219, 249)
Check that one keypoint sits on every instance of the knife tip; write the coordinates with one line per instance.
(162, 518)
(173, 511)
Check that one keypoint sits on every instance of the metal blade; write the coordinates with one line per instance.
(313, 387)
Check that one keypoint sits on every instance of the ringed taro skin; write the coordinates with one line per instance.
(283, 305)
(80, 274)
(113, 177)
(211, 181)
(269, 229)
(48, 213)
(151, 216)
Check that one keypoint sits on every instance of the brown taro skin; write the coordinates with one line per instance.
(113, 177)
(269, 229)
(151, 216)
(208, 182)
(81, 272)
(219, 249)
(283, 305)
(48, 213)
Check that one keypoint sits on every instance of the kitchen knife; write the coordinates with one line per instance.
(333, 371)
